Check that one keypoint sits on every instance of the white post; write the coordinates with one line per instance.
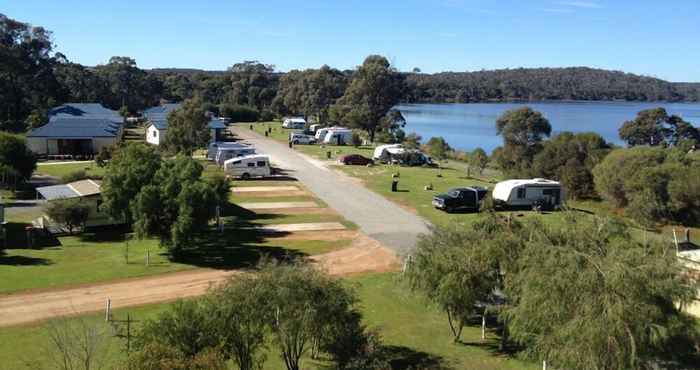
(406, 263)
(675, 240)
(148, 257)
(483, 327)
(108, 311)
(544, 364)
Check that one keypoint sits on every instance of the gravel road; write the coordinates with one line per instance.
(379, 218)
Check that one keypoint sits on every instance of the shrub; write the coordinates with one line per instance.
(620, 166)
(71, 213)
(266, 115)
(239, 113)
(104, 155)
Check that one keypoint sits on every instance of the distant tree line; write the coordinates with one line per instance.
(533, 84)
(33, 78)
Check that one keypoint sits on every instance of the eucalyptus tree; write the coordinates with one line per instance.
(374, 90)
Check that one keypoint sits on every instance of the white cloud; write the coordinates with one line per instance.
(581, 4)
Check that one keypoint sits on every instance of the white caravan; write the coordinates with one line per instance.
(226, 153)
(215, 146)
(248, 166)
(338, 136)
(295, 123)
(321, 132)
(315, 127)
(384, 153)
(528, 192)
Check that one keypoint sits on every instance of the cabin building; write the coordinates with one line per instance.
(76, 129)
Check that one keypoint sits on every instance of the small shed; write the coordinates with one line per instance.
(88, 191)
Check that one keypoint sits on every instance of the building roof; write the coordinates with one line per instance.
(160, 111)
(216, 123)
(84, 110)
(82, 188)
(160, 124)
(77, 128)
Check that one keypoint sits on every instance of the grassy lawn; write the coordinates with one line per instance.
(416, 333)
(60, 170)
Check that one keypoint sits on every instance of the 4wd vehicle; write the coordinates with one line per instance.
(460, 199)
(299, 138)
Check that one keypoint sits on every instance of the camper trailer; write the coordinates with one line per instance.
(321, 132)
(338, 136)
(248, 166)
(224, 154)
(215, 146)
(384, 153)
(294, 123)
(528, 193)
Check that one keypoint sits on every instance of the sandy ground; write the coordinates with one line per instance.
(277, 205)
(310, 226)
(263, 189)
(364, 255)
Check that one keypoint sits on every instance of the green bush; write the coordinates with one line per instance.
(239, 113)
(621, 166)
(266, 115)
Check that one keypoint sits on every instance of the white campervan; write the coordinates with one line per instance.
(294, 123)
(248, 166)
(384, 153)
(321, 132)
(526, 193)
(338, 136)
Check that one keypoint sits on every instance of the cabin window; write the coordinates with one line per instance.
(521, 193)
(155, 133)
(99, 203)
(251, 164)
(261, 164)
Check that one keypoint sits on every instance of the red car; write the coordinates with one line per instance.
(355, 159)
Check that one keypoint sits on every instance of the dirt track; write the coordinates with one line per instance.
(364, 255)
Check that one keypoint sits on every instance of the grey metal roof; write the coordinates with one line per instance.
(77, 128)
(163, 109)
(57, 192)
(160, 124)
(216, 123)
(87, 110)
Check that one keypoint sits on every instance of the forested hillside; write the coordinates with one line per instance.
(575, 83)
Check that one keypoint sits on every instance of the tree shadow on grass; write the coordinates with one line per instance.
(23, 261)
(403, 358)
(233, 249)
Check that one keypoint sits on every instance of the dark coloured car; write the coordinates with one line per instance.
(354, 159)
(460, 199)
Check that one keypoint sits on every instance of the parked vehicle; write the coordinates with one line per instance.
(294, 123)
(543, 193)
(225, 153)
(301, 138)
(460, 199)
(384, 153)
(338, 136)
(313, 128)
(321, 132)
(355, 159)
(248, 166)
(215, 146)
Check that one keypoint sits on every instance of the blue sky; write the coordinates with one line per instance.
(656, 38)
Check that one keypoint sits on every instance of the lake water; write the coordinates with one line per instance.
(468, 126)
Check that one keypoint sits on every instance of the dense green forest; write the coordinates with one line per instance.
(34, 77)
(530, 84)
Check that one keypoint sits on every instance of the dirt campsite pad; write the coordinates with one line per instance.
(364, 255)
(277, 205)
(311, 226)
(264, 189)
